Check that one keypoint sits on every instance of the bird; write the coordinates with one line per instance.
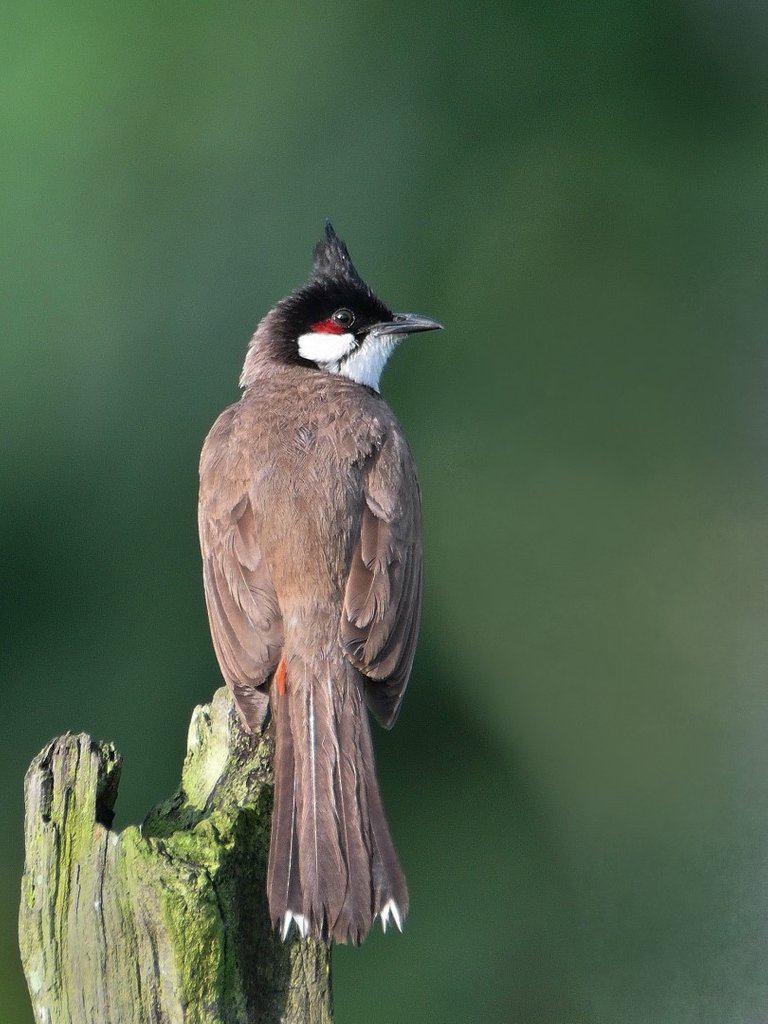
(310, 534)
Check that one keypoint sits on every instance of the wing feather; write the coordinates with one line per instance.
(382, 601)
(245, 620)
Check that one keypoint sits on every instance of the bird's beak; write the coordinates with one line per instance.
(407, 323)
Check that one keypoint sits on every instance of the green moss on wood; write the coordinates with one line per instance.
(167, 922)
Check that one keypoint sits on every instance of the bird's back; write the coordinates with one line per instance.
(298, 448)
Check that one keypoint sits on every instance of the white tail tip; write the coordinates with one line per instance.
(390, 907)
(301, 922)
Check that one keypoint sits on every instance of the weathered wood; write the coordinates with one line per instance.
(165, 923)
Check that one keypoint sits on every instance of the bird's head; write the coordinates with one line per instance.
(333, 324)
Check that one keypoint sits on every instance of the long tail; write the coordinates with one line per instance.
(332, 863)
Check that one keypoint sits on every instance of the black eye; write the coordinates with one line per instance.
(343, 317)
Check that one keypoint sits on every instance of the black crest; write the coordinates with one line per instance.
(331, 258)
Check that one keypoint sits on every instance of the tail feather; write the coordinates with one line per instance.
(332, 863)
(321, 866)
(389, 885)
(351, 794)
(283, 884)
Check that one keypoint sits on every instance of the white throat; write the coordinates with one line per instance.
(337, 353)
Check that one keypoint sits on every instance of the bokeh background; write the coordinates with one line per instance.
(578, 784)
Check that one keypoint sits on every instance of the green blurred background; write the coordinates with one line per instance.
(578, 784)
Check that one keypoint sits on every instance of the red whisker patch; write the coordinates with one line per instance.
(328, 327)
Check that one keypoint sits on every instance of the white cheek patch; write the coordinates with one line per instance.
(325, 348)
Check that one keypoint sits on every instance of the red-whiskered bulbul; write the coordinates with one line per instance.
(310, 534)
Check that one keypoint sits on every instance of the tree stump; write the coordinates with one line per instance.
(165, 923)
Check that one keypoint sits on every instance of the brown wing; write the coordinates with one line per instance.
(246, 626)
(382, 601)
